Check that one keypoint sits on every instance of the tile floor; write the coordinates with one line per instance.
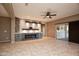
(40, 47)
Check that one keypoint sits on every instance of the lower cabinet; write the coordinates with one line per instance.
(26, 36)
(19, 37)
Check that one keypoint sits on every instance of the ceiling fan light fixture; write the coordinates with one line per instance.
(47, 16)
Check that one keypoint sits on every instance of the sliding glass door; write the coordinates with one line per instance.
(62, 31)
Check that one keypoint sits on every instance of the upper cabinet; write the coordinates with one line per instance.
(29, 27)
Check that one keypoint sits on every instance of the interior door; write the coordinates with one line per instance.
(4, 29)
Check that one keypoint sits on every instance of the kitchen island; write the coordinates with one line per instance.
(27, 36)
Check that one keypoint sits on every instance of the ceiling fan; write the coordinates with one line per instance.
(49, 14)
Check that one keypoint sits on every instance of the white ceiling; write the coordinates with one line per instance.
(3, 12)
(34, 11)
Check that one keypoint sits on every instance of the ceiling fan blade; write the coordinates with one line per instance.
(44, 17)
(53, 15)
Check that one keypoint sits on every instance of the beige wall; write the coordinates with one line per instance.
(51, 32)
(5, 29)
(51, 29)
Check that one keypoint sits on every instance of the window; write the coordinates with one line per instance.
(62, 31)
